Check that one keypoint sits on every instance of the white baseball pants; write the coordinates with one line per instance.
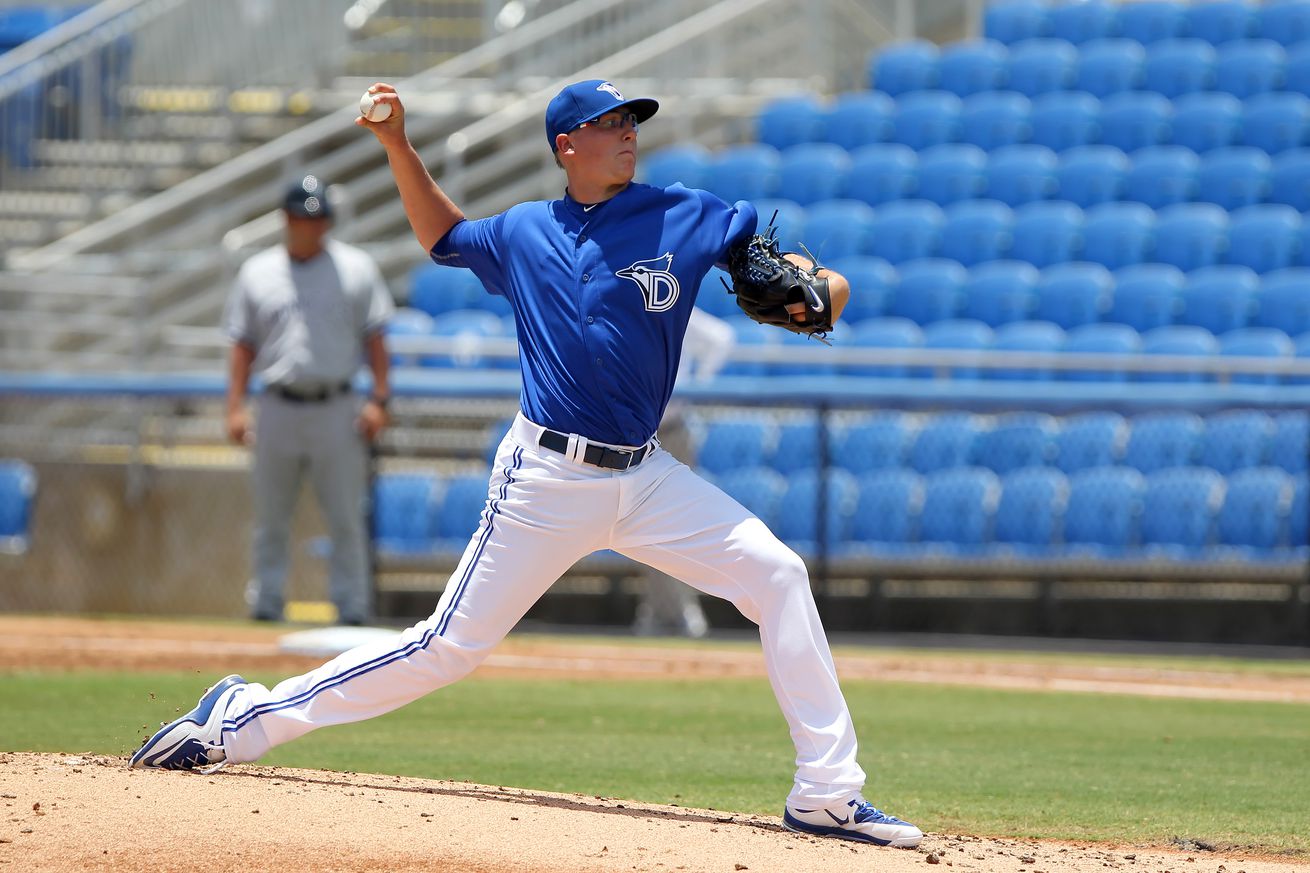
(545, 512)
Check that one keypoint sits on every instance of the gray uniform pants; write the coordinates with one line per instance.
(292, 439)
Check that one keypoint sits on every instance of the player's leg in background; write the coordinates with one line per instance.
(275, 482)
(338, 471)
(543, 514)
(675, 521)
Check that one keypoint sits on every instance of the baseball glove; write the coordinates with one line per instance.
(765, 282)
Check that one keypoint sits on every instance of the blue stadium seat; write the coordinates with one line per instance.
(1264, 237)
(1147, 296)
(1045, 233)
(811, 172)
(876, 441)
(838, 228)
(975, 231)
(1221, 21)
(882, 172)
(886, 518)
(1289, 179)
(1236, 440)
(743, 172)
(461, 506)
(404, 512)
(999, 292)
(926, 118)
(1191, 235)
(944, 441)
(1289, 446)
(759, 489)
(1159, 440)
(467, 327)
(1179, 508)
(1162, 176)
(1065, 120)
(1082, 22)
(1020, 174)
(1275, 122)
(951, 172)
(785, 215)
(1105, 339)
(1256, 342)
(1286, 22)
(797, 446)
(1026, 336)
(733, 443)
(406, 322)
(1015, 20)
(1092, 174)
(1251, 66)
(1298, 519)
(434, 289)
(1102, 512)
(1149, 21)
(958, 506)
(713, 297)
(1090, 439)
(1015, 441)
(790, 121)
(964, 334)
(871, 280)
(1175, 67)
(1253, 518)
(1220, 298)
(798, 527)
(1135, 119)
(904, 230)
(1109, 66)
(1296, 76)
(972, 66)
(1178, 339)
(1303, 249)
(688, 164)
(888, 332)
(1233, 177)
(1040, 66)
(1029, 513)
(993, 119)
(1117, 234)
(1284, 301)
(1206, 120)
(858, 118)
(1074, 294)
(17, 495)
(929, 290)
(904, 67)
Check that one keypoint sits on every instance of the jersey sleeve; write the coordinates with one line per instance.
(737, 222)
(475, 245)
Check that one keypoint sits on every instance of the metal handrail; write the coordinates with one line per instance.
(32, 60)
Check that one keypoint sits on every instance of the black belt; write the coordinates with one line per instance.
(600, 456)
(318, 395)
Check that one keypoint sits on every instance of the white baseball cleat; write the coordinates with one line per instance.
(856, 820)
(196, 739)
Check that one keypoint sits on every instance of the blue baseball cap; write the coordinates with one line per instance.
(307, 198)
(587, 101)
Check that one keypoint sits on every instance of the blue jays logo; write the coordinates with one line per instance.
(609, 89)
(658, 286)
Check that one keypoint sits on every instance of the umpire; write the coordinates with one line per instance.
(303, 316)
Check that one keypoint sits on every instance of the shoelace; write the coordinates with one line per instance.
(866, 812)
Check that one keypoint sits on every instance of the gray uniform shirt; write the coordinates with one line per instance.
(307, 321)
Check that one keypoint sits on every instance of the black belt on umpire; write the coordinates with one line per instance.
(310, 395)
(599, 456)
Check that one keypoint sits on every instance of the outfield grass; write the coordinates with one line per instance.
(1097, 767)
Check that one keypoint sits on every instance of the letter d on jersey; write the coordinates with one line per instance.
(658, 286)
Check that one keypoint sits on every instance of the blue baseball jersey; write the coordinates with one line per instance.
(601, 296)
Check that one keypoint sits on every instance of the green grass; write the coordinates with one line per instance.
(1096, 767)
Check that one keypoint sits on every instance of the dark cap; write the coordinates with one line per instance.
(307, 198)
(587, 101)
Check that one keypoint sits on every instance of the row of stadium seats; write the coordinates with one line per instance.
(1274, 122)
(891, 439)
(1148, 21)
(1101, 67)
(1255, 514)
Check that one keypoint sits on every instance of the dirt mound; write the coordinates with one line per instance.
(89, 812)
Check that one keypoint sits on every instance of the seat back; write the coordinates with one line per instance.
(876, 441)
(1020, 174)
(1026, 336)
(906, 66)
(1107, 339)
(1016, 441)
(743, 172)
(1264, 237)
(1275, 122)
(759, 489)
(1135, 119)
(1256, 342)
(1233, 177)
(888, 508)
(1092, 174)
(1103, 509)
(1179, 507)
(1045, 233)
(1289, 179)
(1219, 298)
(1030, 508)
(1249, 66)
(1220, 21)
(926, 118)
(790, 121)
(944, 441)
(1175, 67)
(1178, 340)
(882, 172)
(929, 290)
(999, 292)
(1286, 22)
(1148, 21)
(688, 164)
(1255, 510)
(1284, 302)
(462, 505)
(992, 119)
(971, 66)
(1289, 445)
(976, 231)
(872, 281)
(958, 507)
(810, 172)
(1118, 234)
(1191, 235)
(1090, 439)
(405, 510)
(732, 444)
(17, 494)
(1065, 120)
(1040, 66)
(1074, 294)
(858, 118)
(1162, 175)
(951, 172)
(1083, 22)
(1161, 440)
(1206, 120)
(1109, 66)
(1147, 296)
(1236, 440)
(839, 228)
(1015, 20)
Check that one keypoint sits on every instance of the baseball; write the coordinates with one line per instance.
(372, 110)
